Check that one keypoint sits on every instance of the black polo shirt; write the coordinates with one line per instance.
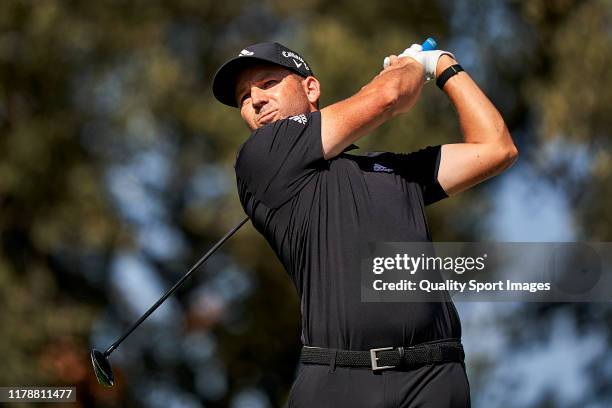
(319, 215)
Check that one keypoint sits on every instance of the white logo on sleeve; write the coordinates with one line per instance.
(245, 53)
(381, 168)
(299, 119)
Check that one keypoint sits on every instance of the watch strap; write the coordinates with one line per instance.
(447, 74)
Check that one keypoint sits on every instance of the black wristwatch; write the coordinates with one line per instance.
(447, 74)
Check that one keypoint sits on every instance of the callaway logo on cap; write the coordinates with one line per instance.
(224, 82)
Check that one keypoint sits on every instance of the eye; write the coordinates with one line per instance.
(270, 82)
(245, 98)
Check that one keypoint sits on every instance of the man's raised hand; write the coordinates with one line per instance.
(428, 59)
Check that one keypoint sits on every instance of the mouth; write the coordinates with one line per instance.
(266, 117)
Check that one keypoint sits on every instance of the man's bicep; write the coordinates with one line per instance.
(463, 165)
(419, 167)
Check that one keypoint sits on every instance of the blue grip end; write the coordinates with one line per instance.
(429, 44)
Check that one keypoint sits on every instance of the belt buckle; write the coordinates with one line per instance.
(374, 359)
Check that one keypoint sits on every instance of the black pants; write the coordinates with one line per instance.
(433, 386)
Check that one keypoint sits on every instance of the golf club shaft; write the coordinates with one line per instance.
(176, 286)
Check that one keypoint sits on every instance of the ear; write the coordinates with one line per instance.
(312, 88)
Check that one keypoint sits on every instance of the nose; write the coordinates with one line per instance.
(258, 97)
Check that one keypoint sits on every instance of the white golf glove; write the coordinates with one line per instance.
(429, 59)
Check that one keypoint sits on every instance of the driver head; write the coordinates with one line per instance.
(102, 368)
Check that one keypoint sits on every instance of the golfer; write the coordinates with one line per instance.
(319, 207)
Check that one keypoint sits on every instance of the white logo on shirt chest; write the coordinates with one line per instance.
(380, 168)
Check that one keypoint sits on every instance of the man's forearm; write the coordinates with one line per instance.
(393, 91)
(487, 147)
(479, 120)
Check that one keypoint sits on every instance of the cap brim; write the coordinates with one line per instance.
(224, 82)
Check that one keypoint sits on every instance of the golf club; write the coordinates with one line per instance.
(99, 360)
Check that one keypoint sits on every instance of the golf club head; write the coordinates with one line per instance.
(102, 368)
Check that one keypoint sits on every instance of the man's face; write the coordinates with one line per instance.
(267, 92)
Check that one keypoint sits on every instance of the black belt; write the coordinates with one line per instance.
(387, 357)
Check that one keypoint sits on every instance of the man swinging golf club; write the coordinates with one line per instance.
(318, 207)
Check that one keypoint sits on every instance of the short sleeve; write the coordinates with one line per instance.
(422, 167)
(279, 159)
